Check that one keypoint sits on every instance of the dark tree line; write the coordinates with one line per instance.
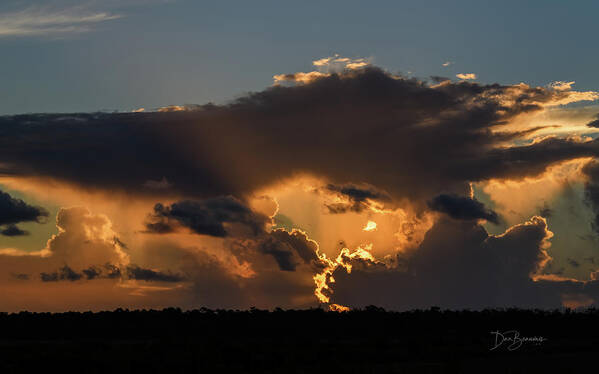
(370, 340)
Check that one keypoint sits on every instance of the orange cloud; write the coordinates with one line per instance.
(466, 76)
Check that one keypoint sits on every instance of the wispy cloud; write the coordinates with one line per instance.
(338, 63)
(37, 21)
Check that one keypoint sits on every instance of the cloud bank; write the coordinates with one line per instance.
(203, 187)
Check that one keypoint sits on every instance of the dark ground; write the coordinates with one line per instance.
(306, 341)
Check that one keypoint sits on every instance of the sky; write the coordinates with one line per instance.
(275, 154)
(154, 53)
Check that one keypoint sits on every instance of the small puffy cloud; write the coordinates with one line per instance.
(12, 230)
(466, 76)
(356, 65)
(64, 273)
(323, 61)
(92, 272)
(13, 211)
(303, 78)
(561, 85)
(594, 123)
(150, 275)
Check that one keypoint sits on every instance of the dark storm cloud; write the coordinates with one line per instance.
(149, 275)
(464, 208)
(13, 211)
(206, 217)
(358, 196)
(401, 135)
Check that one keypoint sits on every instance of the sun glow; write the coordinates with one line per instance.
(370, 226)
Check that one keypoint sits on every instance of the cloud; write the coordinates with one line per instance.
(170, 108)
(92, 272)
(466, 76)
(359, 197)
(227, 217)
(83, 241)
(326, 66)
(149, 275)
(206, 217)
(464, 208)
(13, 211)
(561, 85)
(392, 150)
(12, 230)
(459, 265)
(289, 248)
(64, 273)
(418, 126)
(594, 123)
(38, 21)
(109, 271)
(337, 63)
(299, 77)
(21, 276)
